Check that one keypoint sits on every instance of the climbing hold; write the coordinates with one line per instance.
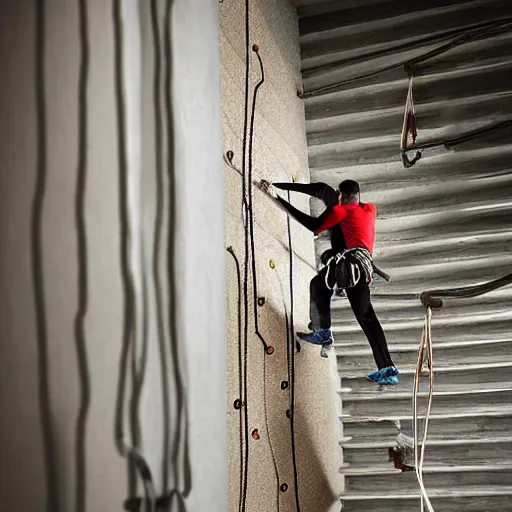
(297, 345)
(230, 155)
(288, 413)
(261, 301)
(255, 48)
(270, 350)
(283, 487)
(284, 384)
(272, 264)
(237, 404)
(255, 434)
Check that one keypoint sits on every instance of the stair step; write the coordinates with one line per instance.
(439, 480)
(446, 428)
(372, 444)
(497, 352)
(389, 405)
(446, 377)
(399, 333)
(488, 498)
(362, 470)
(444, 455)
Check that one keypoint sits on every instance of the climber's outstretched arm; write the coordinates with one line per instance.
(321, 191)
(311, 223)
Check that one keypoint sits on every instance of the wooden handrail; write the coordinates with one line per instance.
(433, 298)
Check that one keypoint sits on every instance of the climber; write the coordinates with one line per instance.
(349, 268)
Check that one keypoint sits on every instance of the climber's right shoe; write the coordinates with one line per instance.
(319, 337)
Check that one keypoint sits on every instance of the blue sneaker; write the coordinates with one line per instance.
(319, 337)
(388, 376)
(392, 371)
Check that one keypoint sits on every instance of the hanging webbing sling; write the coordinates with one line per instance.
(409, 129)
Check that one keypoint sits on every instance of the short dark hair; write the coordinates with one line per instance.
(349, 188)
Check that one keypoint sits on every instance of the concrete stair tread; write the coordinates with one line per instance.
(388, 469)
(475, 412)
(363, 470)
(379, 394)
(362, 348)
(461, 491)
(365, 445)
(360, 373)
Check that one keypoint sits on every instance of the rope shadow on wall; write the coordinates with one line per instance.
(45, 406)
(81, 231)
(180, 446)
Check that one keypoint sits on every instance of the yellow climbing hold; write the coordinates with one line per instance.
(272, 264)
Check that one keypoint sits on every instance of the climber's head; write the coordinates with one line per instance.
(349, 192)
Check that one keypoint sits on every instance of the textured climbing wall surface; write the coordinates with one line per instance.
(280, 154)
(444, 222)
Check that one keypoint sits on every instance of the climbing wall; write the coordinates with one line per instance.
(282, 422)
(444, 222)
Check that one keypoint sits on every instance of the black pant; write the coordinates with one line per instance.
(359, 298)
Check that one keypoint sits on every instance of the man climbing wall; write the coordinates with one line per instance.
(350, 268)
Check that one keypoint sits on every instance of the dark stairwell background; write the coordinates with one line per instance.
(444, 222)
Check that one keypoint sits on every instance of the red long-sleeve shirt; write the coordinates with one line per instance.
(357, 222)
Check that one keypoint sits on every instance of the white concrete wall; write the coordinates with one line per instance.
(41, 380)
(280, 154)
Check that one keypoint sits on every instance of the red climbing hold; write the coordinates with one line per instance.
(255, 48)
(270, 350)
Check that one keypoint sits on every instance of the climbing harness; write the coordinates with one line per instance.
(345, 269)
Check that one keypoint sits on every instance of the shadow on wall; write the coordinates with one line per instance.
(312, 469)
(270, 457)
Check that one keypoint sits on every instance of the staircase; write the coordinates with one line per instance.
(444, 222)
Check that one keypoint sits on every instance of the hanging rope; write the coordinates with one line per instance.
(425, 348)
(240, 402)
(409, 128)
(291, 366)
(433, 299)
(255, 49)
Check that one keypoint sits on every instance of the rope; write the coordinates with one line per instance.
(291, 367)
(409, 128)
(425, 344)
(432, 299)
(483, 30)
(243, 503)
(250, 204)
(242, 367)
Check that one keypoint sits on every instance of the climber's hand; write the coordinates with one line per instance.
(268, 188)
